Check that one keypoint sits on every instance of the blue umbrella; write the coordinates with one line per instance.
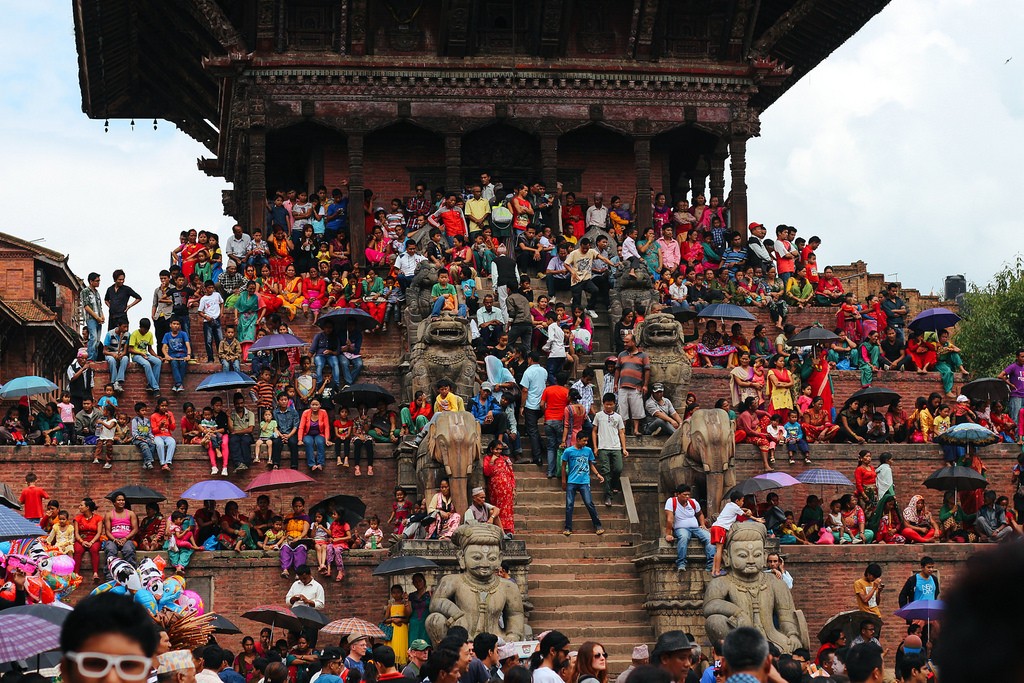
(27, 386)
(214, 489)
(934, 320)
(921, 609)
(274, 342)
(220, 381)
(340, 317)
(726, 312)
(817, 475)
(14, 527)
(968, 433)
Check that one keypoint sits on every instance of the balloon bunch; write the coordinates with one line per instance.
(49, 574)
(148, 587)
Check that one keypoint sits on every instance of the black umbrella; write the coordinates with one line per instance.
(44, 660)
(136, 495)
(755, 485)
(403, 564)
(8, 497)
(354, 509)
(876, 396)
(682, 312)
(849, 623)
(310, 617)
(366, 394)
(956, 478)
(223, 625)
(814, 335)
(987, 389)
(275, 617)
(340, 317)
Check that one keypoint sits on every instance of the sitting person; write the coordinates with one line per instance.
(713, 349)
(918, 524)
(955, 524)
(992, 523)
(662, 418)
(480, 511)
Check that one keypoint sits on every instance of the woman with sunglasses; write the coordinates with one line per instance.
(592, 663)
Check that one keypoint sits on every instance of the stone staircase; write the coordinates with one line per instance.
(586, 585)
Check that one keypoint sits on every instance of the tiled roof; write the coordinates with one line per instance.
(31, 311)
(33, 247)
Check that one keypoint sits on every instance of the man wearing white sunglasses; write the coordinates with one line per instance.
(108, 639)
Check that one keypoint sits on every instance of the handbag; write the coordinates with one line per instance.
(388, 629)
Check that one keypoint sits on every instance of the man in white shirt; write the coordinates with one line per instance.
(597, 215)
(406, 264)
(486, 186)
(554, 650)
(209, 310)
(685, 519)
(207, 660)
(306, 590)
(491, 321)
(236, 247)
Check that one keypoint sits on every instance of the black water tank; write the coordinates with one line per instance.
(956, 285)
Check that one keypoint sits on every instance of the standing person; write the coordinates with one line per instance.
(554, 651)
(141, 350)
(305, 590)
(579, 465)
(553, 401)
(632, 374)
(609, 437)
(209, 310)
(684, 519)
(501, 483)
(868, 590)
(80, 379)
(641, 656)
(1013, 375)
(745, 651)
(922, 585)
(93, 307)
(110, 638)
(672, 654)
(176, 348)
(117, 299)
(895, 309)
(161, 309)
(120, 526)
(533, 384)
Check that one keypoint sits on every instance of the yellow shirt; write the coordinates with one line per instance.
(477, 208)
(452, 402)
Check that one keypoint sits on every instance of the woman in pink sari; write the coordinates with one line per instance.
(445, 520)
(377, 247)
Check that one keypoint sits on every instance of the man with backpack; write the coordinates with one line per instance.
(683, 520)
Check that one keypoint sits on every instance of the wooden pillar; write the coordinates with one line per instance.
(698, 182)
(549, 160)
(642, 162)
(738, 166)
(256, 182)
(717, 163)
(356, 215)
(453, 162)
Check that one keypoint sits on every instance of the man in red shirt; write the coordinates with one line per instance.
(553, 401)
(32, 498)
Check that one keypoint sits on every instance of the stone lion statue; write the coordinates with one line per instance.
(443, 350)
(450, 449)
(747, 596)
(417, 294)
(661, 336)
(477, 598)
(630, 292)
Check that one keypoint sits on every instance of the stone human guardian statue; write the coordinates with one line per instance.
(747, 596)
(477, 597)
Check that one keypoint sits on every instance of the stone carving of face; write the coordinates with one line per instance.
(481, 561)
(746, 558)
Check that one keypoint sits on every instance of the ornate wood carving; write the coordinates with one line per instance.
(593, 32)
(642, 163)
(552, 20)
(646, 21)
(357, 235)
(455, 29)
(266, 12)
(212, 17)
(738, 190)
(357, 23)
(764, 44)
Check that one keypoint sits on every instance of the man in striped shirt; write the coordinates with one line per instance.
(632, 375)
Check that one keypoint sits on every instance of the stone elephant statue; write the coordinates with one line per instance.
(701, 453)
(451, 449)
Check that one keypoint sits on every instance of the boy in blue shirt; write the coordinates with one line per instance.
(579, 465)
(795, 440)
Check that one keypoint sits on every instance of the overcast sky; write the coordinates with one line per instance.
(902, 149)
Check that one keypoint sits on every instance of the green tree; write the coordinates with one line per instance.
(993, 322)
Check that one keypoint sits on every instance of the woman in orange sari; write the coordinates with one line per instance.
(279, 252)
(269, 299)
(291, 291)
(817, 422)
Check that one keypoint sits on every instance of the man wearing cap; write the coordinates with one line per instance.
(356, 651)
(332, 667)
(757, 253)
(672, 654)
(176, 666)
(384, 661)
(487, 411)
(480, 511)
(662, 418)
(641, 656)
(508, 659)
(419, 651)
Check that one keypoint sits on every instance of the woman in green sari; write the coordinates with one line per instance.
(650, 250)
(248, 307)
(955, 525)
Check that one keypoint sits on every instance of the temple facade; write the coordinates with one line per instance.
(618, 96)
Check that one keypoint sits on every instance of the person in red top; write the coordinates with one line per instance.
(32, 498)
(830, 290)
(809, 248)
(416, 415)
(864, 479)
(162, 426)
(553, 401)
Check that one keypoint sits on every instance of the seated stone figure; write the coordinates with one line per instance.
(477, 597)
(747, 596)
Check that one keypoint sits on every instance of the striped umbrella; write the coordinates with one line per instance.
(817, 475)
(24, 635)
(350, 626)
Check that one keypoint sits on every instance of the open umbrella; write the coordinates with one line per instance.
(136, 495)
(814, 335)
(30, 385)
(354, 508)
(14, 527)
(277, 479)
(684, 313)
(40, 662)
(366, 394)
(925, 610)
(214, 489)
(956, 478)
(780, 478)
(341, 317)
(876, 396)
(403, 564)
(934, 320)
(8, 497)
(726, 312)
(350, 626)
(818, 475)
(223, 625)
(968, 434)
(25, 634)
(754, 485)
(849, 622)
(986, 389)
(310, 618)
(274, 342)
(275, 617)
(222, 381)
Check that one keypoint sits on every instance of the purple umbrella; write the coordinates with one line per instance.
(780, 478)
(934, 320)
(273, 342)
(24, 635)
(818, 475)
(214, 489)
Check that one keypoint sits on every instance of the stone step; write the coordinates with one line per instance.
(541, 540)
(626, 584)
(588, 610)
(575, 552)
(587, 569)
(606, 595)
(601, 632)
(581, 525)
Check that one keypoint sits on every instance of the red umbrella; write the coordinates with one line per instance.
(277, 479)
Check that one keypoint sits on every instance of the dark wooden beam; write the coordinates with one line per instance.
(762, 47)
(727, 27)
(209, 14)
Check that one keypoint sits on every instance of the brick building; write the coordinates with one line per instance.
(39, 315)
